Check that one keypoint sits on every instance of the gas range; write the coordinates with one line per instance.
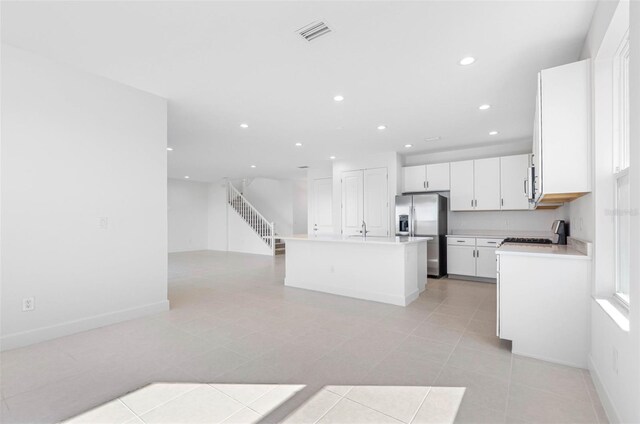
(527, 240)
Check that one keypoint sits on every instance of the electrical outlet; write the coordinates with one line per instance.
(28, 304)
(103, 222)
(614, 361)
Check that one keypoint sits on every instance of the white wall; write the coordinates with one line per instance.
(634, 80)
(619, 387)
(242, 238)
(274, 200)
(300, 208)
(217, 214)
(513, 147)
(536, 220)
(188, 215)
(75, 148)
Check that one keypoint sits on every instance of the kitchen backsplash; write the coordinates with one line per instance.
(537, 220)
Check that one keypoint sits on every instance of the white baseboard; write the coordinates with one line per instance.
(25, 338)
(357, 294)
(605, 399)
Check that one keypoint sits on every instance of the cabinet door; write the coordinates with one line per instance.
(486, 184)
(566, 128)
(438, 177)
(413, 179)
(321, 201)
(486, 262)
(513, 182)
(461, 260)
(352, 202)
(376, 202)
(461, 196)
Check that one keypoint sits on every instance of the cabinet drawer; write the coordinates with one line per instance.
(461, 241)
(488, 242)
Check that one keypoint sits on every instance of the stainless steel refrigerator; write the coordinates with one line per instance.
(425, 215)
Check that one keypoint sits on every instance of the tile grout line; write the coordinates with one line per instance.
(415, 414)
(332, 406)
(130, 410)
(161, 404)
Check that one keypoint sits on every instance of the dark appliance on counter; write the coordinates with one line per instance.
(560, 229)
(425, 215)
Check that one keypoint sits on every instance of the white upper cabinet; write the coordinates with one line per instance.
(513, 182)
(422, 178)
(486, 184)
(562, 133)
(462, 194)
(414, 178)
(438, 177)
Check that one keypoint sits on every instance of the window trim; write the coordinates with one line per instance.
(621, 297)
(621, 105)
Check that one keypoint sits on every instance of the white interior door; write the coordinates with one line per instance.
(376, 202)
(513, 180)
(461, 196)
(352, 202)
(322, 206)
(438, 177)
(486, 184)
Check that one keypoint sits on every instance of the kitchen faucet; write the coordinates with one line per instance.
(363, 229)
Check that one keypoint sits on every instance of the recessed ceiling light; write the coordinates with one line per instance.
(436, 138)
(484, 107)
(493, 132)
(467, 60)
(338, 98)
(408, 145)
(253, 166)
(170, 149)
(298, 144)
(382, 127)
(244, 125)
(332, 157)
(187, 177)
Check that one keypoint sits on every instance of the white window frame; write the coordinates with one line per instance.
(621, 146)
(619, 295)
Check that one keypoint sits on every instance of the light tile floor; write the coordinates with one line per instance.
(238, 346)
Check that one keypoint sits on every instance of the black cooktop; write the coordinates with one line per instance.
(527, 240)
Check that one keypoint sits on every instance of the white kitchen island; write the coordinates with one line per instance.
(383, 269)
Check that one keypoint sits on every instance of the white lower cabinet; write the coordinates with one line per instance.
(472, 257)
(460, 260)
(486, 262)
(543, 306)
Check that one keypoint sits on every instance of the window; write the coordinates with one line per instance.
(621, 170)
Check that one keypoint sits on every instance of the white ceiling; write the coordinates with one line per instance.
(396, 63)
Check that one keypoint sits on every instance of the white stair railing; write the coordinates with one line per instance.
(260, 224)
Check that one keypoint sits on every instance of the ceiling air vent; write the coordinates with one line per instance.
(314, 30)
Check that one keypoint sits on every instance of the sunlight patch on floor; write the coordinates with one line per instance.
(290, 403)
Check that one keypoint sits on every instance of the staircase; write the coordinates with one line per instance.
(259, 224)
(279, 247)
